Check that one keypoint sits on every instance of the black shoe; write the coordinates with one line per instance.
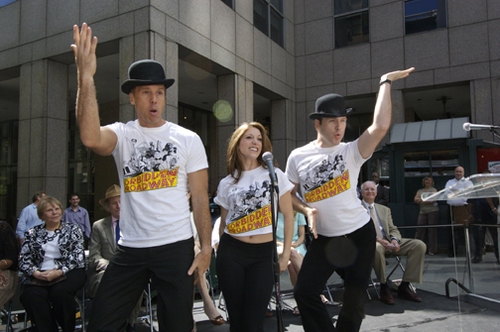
(386, 295)
(451, 254)
(477, 260)
(405, 293)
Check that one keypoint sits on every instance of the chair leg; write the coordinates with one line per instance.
(222, 305)
(149, 308)
(401, 266)
(81, 307)
(8, 314)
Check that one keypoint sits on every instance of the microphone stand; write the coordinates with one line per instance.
(493, 131)
(279, 309)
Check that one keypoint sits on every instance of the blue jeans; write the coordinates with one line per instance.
(352, 255)
(128, 275)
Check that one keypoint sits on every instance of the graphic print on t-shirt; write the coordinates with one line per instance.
(251, 208)
(151, 166)
(327, 179)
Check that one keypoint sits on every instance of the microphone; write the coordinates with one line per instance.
(469, 126)
(268, 159)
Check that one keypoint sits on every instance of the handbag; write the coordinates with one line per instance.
(32, 281)
(8, 285)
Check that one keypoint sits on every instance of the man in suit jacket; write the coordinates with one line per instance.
(382, 192)
(103, 239)
(389, 241)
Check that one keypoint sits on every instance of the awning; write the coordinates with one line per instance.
(429, 130)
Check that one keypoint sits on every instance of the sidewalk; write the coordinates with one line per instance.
(435, 313)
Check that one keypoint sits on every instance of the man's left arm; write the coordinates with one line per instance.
(87, 225)
(198, 186)
(394, 234)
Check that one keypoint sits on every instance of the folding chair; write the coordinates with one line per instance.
(400, 265)
(374, 285)
(81, 307)
(149, 308)
(8, 314)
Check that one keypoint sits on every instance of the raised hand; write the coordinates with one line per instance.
(84, 47)
(396, 75)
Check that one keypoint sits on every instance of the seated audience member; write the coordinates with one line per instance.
(9, 252)
(298, 250)
(52, 263)
(389, 241)
(103, 241)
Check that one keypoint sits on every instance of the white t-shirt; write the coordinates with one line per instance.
(248, 202)
(458, 185)
(153, 164)
(327, 179)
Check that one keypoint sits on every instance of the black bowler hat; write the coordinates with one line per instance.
(330, 106)
(145, 72)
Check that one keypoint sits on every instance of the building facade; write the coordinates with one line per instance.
(233, 61)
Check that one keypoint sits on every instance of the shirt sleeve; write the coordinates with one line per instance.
(21, 224)
(197, 159)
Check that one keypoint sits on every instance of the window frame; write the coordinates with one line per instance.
(272, 11)
(441, 16)
(362, 13)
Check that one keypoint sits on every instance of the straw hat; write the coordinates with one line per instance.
(112, 191)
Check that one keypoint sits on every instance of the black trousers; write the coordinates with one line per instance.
(479, 233)
(245, 273)
(52, 305)
(128, 275)
(352, 255)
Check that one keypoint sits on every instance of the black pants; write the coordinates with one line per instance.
(128, 275)
(352, 255)
(479, 233)
(52, 305)
(245, 274)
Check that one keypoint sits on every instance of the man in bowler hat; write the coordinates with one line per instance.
(157, 161)
(325, 172)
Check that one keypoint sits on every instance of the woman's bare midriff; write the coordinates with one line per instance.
(261, 238)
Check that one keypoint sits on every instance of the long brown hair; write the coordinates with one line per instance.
(234, 165)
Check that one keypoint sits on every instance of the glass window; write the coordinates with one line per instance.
(9, 133)
(268, 18)
(6, 2)
(351, 22)
(424, 15)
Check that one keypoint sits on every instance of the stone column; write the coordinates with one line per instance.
(398, 113)
(283, 130)
(43, 131)
(237, 92)
(150, 45)
(482, 100)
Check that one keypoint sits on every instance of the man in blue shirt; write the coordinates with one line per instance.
(29, 217)
(78, 215)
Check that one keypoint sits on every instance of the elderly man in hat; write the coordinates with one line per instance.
(325, 172)
(104, 237)
(157, 161)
